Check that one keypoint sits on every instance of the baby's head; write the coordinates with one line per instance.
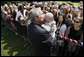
(48, 17)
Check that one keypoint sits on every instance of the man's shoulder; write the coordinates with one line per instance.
(37, 28)
(40, 29)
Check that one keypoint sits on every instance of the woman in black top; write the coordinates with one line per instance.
(75, 31)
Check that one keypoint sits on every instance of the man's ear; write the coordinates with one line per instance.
(36, 18)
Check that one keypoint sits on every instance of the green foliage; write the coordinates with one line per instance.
(8, 2)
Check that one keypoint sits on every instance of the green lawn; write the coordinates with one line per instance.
(12, 45)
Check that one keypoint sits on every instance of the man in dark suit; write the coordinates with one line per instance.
(38, 36)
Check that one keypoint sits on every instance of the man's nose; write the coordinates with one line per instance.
(43, 15)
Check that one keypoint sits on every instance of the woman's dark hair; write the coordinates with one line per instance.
(20, 7)
(31, 4)
(63, 19)
(53, 3)
(69, 16)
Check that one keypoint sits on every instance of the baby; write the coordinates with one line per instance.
(49, 24)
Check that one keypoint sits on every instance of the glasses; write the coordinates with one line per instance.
(76, 21)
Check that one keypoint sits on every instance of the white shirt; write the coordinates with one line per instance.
(50, 27)
(63, 29)
(23, 17)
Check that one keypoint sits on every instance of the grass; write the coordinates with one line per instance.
(12, 45)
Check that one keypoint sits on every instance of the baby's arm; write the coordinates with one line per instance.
(46, 27)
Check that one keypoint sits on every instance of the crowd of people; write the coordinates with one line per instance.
(42, 21)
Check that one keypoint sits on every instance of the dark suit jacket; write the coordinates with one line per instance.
(37, 35)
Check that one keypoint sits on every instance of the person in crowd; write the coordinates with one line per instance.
(6, 7)
(74, 13)
(10, 18)
(65, 11)
(20, 20)
(55, 14)
(80, 11)
(61, 27)
(69, 21)
(3, 16)
(75, 31)
(21, 14)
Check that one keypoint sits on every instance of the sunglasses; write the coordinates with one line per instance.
(76, 21)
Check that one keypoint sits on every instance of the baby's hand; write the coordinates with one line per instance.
(42, 25)
(45, 27)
